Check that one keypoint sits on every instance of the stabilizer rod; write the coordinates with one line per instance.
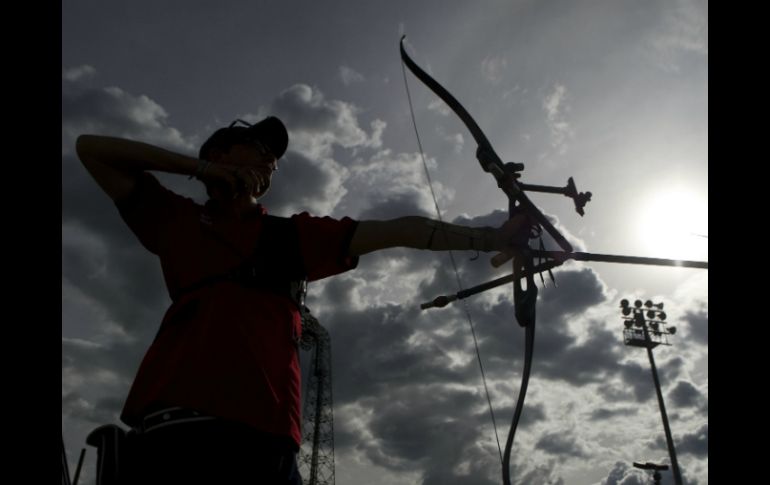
(557, 258)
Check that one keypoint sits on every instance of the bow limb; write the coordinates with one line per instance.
(524, 300)
(486, 155)
(492, 160)
(528, 350)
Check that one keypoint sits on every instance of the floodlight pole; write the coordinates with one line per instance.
(640, 321)
(669, 439)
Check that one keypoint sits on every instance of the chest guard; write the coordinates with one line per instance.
(275, 265)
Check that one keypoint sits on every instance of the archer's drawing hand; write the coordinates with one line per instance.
(238, 179)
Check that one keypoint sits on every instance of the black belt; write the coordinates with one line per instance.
(171, 416)
(179, 416)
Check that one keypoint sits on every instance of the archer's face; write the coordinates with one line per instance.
(255, 157)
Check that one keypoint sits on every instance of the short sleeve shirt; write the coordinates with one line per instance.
(224, 349)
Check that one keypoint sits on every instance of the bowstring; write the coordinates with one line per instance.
(454, 264)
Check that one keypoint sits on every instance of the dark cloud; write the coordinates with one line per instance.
(416, 415)
(696, 444)
(698, 326)
(594, 360)
(301, 185)
(477, 474)
(105, 410)
(536, 475)
(561, 444)
(577, 291)
(639, 379)
(616, 391)
(113, 111)
(602, 414)
(670, 370)
(88, 360)
(425, 427)
(686, 395)
(391, 207)
(137, 308)
(372, 352)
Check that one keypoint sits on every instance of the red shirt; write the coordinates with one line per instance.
(224, 349)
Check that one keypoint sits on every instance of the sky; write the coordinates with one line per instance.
(613, 93)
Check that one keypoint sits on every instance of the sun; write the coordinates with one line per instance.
(673, 223)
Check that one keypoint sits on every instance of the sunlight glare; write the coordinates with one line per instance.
(674, 224)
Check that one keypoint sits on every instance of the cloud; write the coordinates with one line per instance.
(113, 111)
(78, 73)
(556, 108)
(561, 443)
(457, 140)
(683, 31)
(440, 107)
(537, 475)
(317, 124)
(305, 184)
(698, 325)
(623, 474)
(696, 443)
(349, 76)
(603, 414)
(492, 69)
(388, 185)
(685, 395)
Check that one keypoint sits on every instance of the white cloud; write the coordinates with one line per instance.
(393, 185)
(457, 140)
(683, 30)
(440, 107)
(78, 73)
(113, 111)
(515, 93)
(316, 124)
(555, 107)
(492, 69)
(348, 75)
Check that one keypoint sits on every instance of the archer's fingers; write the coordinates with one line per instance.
(500, 259)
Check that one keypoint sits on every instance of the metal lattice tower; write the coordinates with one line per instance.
(316, 455)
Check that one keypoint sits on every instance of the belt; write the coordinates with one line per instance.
(172, 416)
